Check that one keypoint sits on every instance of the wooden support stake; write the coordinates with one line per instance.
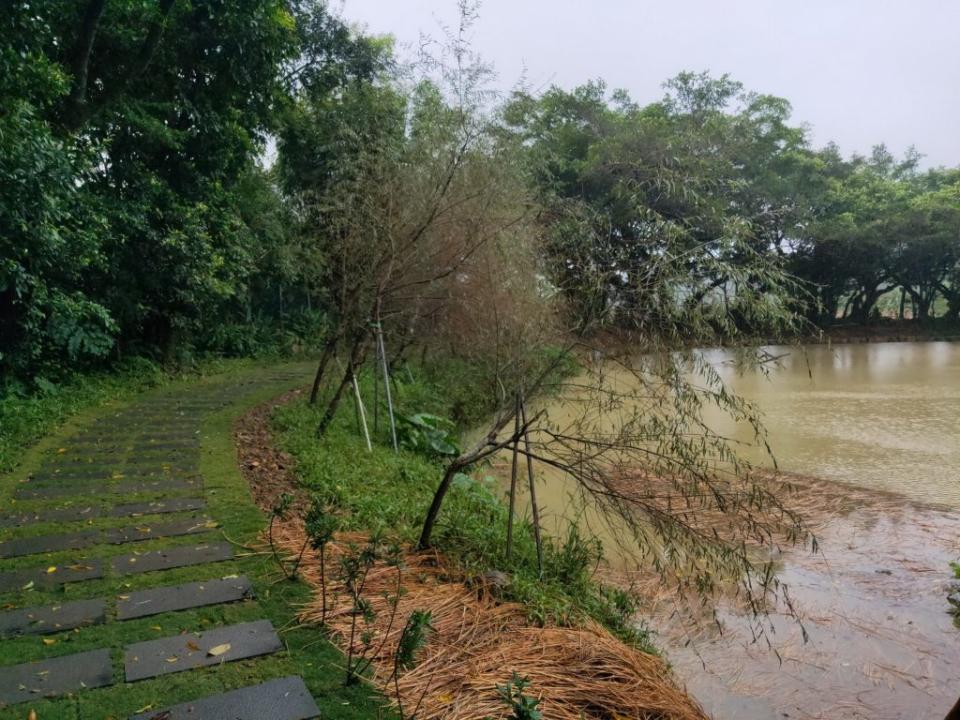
(533, 487)
(362, 414)
(513, 477)
(386, 385)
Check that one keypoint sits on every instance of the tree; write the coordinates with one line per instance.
(400, 218)
(651, 265)
(49, 234)
(132, 148)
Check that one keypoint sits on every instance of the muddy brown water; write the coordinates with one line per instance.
(880, 424)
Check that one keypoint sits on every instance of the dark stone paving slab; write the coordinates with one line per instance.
(79, 470)
(101, 464)
(53, 618)
(38, 492)
(158, 507)
(48, 543)
(169, 467)
(115, 536)
(166, 460)
(99, 439)
(49, 678)
(44, 577)
(283, 699)
(139, 533)
(72, 476)
(183, 597)
(79, 513)
(96, 441)
(82, 513)
(168, 442)
(135, 487)
(169, 435)
(186, 652)
(111, 487)
(172, 558)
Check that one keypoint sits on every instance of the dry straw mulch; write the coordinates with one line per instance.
(478, 642)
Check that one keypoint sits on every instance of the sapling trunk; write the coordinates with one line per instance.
(356, 354)
(386, 386)
(533, 488)
(329, 349)
(513, 478)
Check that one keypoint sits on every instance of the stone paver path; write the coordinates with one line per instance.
(117, 566)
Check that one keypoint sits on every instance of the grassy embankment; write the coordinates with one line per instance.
(390, 492)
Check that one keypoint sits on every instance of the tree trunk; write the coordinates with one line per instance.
(329, 350)
(356, 356)
(921, 304)
(513, 479)
(865, 303)
(534, 508)
(431, 519)
(80, 62)
(954, 714)
(846, 308)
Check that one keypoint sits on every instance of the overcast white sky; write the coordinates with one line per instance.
(858, 71)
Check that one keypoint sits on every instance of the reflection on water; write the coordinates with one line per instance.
(882, 646)
(887, 417)
(883, 416)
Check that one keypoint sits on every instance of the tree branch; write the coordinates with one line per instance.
(80, 58)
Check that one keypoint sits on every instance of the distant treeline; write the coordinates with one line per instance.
(137, 216)
(717, 163)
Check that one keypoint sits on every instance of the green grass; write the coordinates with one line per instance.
(30, 414)
(308, 653)
(389, 492)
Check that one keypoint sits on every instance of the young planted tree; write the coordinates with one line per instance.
(403, 214)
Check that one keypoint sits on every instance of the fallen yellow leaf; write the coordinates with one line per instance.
(218, 650)
(192, 645)
(172, 659)
(49, 641)
(51, 569)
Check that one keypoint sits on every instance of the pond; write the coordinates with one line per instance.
(883, 417)
(873, 430)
